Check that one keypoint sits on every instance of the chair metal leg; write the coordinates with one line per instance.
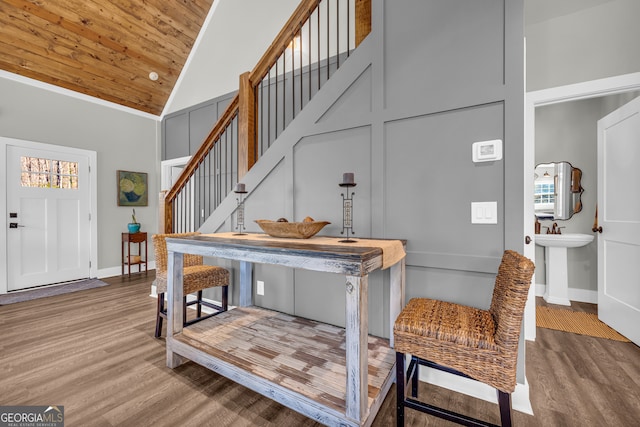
(411, 374)
(184, 310)
(414, 367)
(199, 308)
(225, 298)
(400, 389)
(159, 315)
(504, 401)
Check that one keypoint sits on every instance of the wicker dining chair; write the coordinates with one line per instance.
(466, 341)
(196, 277)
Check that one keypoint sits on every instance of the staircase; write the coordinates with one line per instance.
(314, 43)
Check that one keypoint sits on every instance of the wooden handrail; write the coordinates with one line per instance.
(282, 40)
(229, 114)
(244, 105)
(292, 27)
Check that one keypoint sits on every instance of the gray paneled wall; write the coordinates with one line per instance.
(184, 132)
(440, 55)
(402, 113)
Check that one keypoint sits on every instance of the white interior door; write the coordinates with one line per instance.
(48, 205)
(619, 217)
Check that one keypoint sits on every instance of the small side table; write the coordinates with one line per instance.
(130, 259)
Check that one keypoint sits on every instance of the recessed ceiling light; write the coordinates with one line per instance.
(153, 76)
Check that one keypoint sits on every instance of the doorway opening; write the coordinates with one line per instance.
(49, 196)
(579, 91)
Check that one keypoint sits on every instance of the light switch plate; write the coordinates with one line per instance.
(484, 212)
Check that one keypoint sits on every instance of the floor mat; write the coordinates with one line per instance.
(576, 322)
(64, 288)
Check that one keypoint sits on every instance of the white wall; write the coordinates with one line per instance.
(235, 36)
(123, 139)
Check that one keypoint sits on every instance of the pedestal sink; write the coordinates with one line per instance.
(555, 255)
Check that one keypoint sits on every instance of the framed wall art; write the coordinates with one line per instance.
(132, 189)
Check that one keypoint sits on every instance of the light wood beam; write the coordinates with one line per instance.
(363, 20)
(246, 126)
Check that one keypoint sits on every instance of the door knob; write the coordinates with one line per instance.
(527, 240)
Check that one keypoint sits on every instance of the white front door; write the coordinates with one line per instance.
(48, 205)
(619, 217)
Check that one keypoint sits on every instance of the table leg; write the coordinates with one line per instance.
(175, 263)
(357, 331)
(129, 257)
(396, 294)
(146, 259)
(246, 283)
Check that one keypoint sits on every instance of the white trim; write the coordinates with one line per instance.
(572, 92)
(165, 171)
(575, 294)
(117, 271)
(70, 93)
(93, 202)
(519, 398)
(584, 90)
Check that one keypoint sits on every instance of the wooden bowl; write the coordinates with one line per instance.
(295, 230)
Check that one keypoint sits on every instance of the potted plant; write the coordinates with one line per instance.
(134, 226)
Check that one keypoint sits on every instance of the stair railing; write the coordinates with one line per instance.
(316, 40)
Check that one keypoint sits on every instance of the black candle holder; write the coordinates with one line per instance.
(347, 206)
(240, 191)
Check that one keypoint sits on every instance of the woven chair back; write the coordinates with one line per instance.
(510, 297)
(160, 248)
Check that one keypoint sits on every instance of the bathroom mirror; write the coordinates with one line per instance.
(558, 190)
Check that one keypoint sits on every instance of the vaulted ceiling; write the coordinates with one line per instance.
(102, 48)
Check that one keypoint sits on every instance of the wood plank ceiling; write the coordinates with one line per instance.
(102, 48)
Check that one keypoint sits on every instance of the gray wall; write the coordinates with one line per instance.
(121, 139)
(580, 40)
(568, 132)
(402, 114)
(184, 131)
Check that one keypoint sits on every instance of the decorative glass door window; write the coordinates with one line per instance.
(48, 173)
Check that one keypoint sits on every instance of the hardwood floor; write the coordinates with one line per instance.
(94, 352)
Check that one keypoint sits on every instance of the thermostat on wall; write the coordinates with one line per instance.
(487, 151)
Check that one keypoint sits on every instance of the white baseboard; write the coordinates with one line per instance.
(519, 398)
(579, 295)
(117, 271)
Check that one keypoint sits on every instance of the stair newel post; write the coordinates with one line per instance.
(363, 20)
(164, 206)
(165, 217)
(246, 126)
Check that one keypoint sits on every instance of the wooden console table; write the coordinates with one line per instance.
(333, 375)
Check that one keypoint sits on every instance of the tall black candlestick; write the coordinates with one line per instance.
(347, 205)
(240, 191)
